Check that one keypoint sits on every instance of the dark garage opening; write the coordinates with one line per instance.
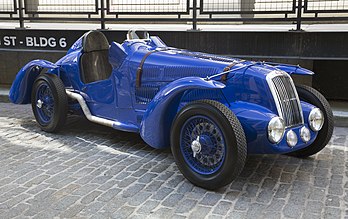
(331, 78)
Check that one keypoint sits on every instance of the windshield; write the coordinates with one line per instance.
(138, 34)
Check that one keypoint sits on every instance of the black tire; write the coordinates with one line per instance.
(312, 96)
(60, 102)
(235, 146)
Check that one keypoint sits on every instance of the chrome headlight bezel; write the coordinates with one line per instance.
(276, 130)
(291, 138)
(316, 119)
(305, 134)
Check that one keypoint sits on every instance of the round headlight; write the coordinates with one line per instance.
(291, 138)
(316, 119)
(305, 134)
(276, 129)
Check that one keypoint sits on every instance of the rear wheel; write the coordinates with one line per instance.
(315, 98)
(208, 144)
(49, 102)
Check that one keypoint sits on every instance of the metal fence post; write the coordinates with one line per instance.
(299, 15)
(194, 15)
(102, 14)
(20, 14)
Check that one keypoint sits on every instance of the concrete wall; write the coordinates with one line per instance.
(12, 61)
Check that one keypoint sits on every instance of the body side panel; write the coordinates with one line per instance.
(157, 120)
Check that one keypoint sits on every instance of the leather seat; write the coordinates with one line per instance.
(95, 64)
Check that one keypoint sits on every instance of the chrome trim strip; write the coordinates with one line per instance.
(271, 85)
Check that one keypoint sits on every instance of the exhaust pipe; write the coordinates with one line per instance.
(87, 112)
(129, 127)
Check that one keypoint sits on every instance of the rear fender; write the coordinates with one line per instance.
(157, 120)
(20, 92)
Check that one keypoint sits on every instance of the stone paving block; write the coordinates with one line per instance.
(65, 202)
(210, 199)
(332, 201)
(162, 212)
(222, 208)
(200, 212)
(332, 213)
(162, 193)
(147, 207)
(172, 200)
(242, 204)
(72, 211)
(108, 195)
(139, 198)
(132, 190)
(91, 208)
(185, 206)
(90, 197)
(314, 207)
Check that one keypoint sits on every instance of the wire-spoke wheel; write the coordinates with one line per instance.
(49, 102)
(208, 144)
(314, 97)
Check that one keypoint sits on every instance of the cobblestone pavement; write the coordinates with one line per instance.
(92, 171)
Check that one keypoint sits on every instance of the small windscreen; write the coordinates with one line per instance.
(138, 34)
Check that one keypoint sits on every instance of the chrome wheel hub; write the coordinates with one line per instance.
(196, 146)
(39, 103)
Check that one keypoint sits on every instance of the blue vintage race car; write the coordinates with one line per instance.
(211, 110)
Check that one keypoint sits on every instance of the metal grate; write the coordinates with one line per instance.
(148, 6)
(8, 7)
(326, 6)
(247, 6)
(146, 93)
(286, 99)
(198, 94)
(61, 7)
(201, 55)
(160, 11)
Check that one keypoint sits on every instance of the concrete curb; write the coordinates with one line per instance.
(4, 95)
(339, 109)
(340, 112)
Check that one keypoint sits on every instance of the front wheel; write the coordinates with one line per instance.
(208, 144)
(49, 102)
(315, 98)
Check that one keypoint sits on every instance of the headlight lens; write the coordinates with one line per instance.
(316, 119)
(276, 129)
(291, 138)
(305, 134)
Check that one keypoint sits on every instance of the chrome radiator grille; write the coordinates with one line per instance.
(286, 98)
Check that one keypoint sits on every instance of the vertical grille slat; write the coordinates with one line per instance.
(285, 95)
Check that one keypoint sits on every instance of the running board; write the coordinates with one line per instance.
(106, 122)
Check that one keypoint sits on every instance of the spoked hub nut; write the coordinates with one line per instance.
(39, 103)
(196, 147)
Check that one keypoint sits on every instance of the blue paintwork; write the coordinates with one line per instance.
(254, 119)
(164, 106)
(213, 147)
(20, 92)
(292, 69)
(170, 79)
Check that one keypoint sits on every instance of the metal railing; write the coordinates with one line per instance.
(104, 11)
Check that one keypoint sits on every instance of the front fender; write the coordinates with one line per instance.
(294, 69)
(20, 91)
(156, 123)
